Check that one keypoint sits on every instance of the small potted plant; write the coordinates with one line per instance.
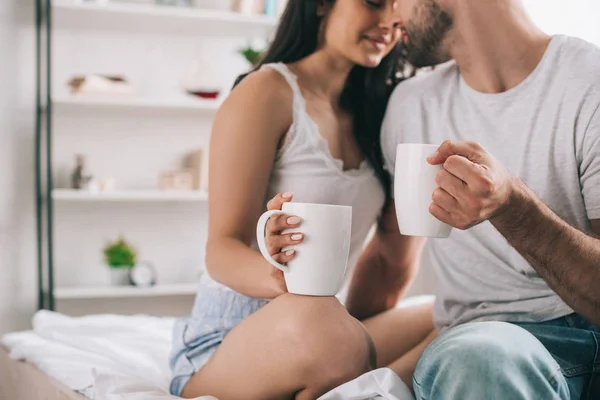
(251, 55)
(120, 257)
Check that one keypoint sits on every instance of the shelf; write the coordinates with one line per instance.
(79, 103)
(157, 19)
(129, 196)
(102, 292)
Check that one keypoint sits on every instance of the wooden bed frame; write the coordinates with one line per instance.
(23, 381)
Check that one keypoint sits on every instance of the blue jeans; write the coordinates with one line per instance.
(558, 359)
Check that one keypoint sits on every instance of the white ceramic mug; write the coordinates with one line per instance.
(319, 266)
(414, 184)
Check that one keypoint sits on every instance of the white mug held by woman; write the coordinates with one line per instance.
(319, 266)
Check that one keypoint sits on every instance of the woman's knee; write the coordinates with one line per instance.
(333, 346)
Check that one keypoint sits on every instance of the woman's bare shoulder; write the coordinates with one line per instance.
(265, 86)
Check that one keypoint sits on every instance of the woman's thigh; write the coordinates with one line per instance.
(294, 346)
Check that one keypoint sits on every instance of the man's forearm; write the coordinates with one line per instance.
(568, 259)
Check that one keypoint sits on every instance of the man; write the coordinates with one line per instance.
(518, 113)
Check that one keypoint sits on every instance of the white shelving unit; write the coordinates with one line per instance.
(129, 196)
(157, 18)
(102, 292)
(131, 139)
(76, 103)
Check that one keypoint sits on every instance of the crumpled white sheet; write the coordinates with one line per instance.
(70, 349)
(382, 383)
(112, 387)
(113, 357)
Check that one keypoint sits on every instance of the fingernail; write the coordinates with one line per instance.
(434, 155)
(297, 236)
(290, 252)
(287, 195)
(293, 220)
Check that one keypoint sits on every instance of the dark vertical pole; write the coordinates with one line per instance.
(49, 200)
(38, 151)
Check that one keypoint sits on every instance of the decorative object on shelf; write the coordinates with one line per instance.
(251, 55)
(281, 5)
(200, 80)
(177, 3)
(80, 178)
(208, 93)
(179, 180)
(143, 275)
(197, 162)
(139, 2)
(211, 4)
(271, 7)
(107, 185)
(244, 6)
(95, 84)
(120, 257)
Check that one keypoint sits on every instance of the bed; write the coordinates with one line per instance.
(114, 357)
(21, 380)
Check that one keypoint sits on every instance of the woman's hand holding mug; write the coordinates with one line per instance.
(277, 243)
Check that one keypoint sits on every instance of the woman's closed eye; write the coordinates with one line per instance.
(374, 3)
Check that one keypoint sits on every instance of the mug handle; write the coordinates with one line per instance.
(260, 238)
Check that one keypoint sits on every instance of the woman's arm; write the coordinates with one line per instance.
(385, 269)
(246, 133)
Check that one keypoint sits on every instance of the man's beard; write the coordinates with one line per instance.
(426, 34)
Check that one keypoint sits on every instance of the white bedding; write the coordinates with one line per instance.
(112, 357)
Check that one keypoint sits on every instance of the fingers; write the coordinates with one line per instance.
(277, 242)
(463, 168)
(441, 214)
(277, 202)
(450, 183)
(445, 201)
(285, 256)
(470, 150)
(278, 223)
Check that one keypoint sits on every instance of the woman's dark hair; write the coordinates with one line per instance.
(367, 90)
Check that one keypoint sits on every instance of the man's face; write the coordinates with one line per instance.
(426, 25)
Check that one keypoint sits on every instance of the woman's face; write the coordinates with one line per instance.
(362, 31)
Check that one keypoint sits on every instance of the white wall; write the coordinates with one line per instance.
(572, 17)
(17, 245)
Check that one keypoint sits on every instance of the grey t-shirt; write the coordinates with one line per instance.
(546, 131)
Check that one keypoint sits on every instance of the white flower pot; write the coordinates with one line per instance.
(119, 277)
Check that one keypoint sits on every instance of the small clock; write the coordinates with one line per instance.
(143, 275)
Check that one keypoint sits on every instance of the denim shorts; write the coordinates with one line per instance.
(196, 338)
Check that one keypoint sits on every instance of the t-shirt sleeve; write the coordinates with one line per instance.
(590, 167)
(390, 136)
(389, 140)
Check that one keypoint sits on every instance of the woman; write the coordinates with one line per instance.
(306, 120)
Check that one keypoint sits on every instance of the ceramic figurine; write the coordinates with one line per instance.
(80, 176)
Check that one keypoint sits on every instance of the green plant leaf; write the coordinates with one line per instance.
(120, 254)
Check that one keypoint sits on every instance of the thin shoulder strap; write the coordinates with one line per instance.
(290, 78)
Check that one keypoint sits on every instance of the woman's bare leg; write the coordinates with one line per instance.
(397, 331)
(295, 347)
(406, 365)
